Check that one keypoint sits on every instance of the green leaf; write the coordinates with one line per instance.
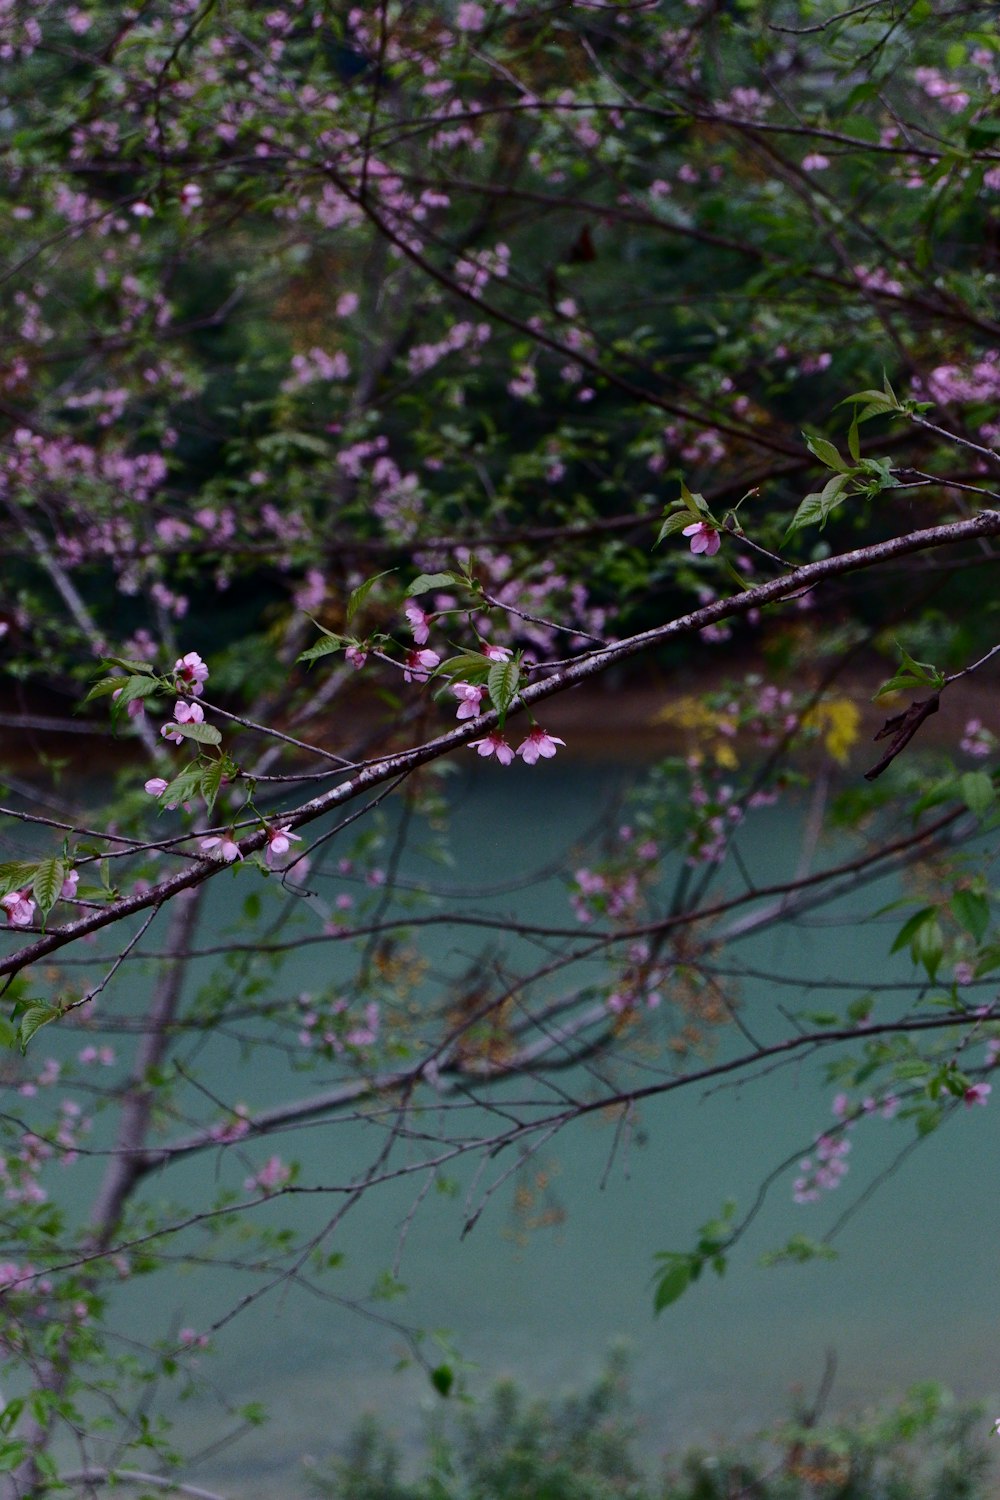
(16, 874)
(424, 582)
(676, 521)
(360, 594)
(134, 687)
(673, 1280)
(909, 929)
(817, 507)
(984, 133)
(911, 1068)
(826, 453)
(323, 648)
(503, 681)
(103, 688)
(471, 666)
(185, 785)
(32, 1020)
(853, 441)
(212, 779)
(977, 792)
(305, 442)
(442, 1379)
(202, 734)
(797, 1251)
(696, 504)
(928, 947)
(47, 883)
(911, 674)
(972, 911)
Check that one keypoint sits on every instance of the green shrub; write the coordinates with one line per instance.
(582, 1448)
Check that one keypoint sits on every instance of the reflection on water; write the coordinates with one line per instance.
(905, 1301)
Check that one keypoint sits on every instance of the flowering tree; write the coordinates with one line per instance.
(371, 378)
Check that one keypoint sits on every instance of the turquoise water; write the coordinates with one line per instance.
(908, 1298)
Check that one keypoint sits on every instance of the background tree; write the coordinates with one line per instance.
(373, 376)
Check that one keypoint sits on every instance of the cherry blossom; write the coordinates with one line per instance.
(420, 622)
(704, 538)
(538, 743)
(184, 713)
(469, 698)
(156, 786)
(357, 656)
(272, 1176)
(823, 1176)
(279, 841)
(190, 672)
(419, 664)
(497, 653)
(69, 885)
(222, 846)
(977, 1093)
(493, 744)
(20, 908)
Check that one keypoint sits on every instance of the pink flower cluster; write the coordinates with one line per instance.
(235, 1128)
(317, 365)
(641, 982)
(334, 1029)
(977, 740)
(826, 1172)
(273, 1175)
(616, 890)
(536, 745)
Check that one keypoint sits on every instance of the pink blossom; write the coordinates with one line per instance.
(977, 740)
(69, 885)
(228, 848)
(494, 744)
(135, 707)
(190, 672)
(963, 973)
(366, 1035)
(418, 664)
(190, 196)
(184, 713)
(537, 743)
(420, 622)
(20, 908)
(704, 538)
(272, 1176)
(470, 16)
(497, 653)
(977, 1093)
(189, 1339)
(357, 656)
(156, 786)
(279, 841)
(815, 162)
(470, 697)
